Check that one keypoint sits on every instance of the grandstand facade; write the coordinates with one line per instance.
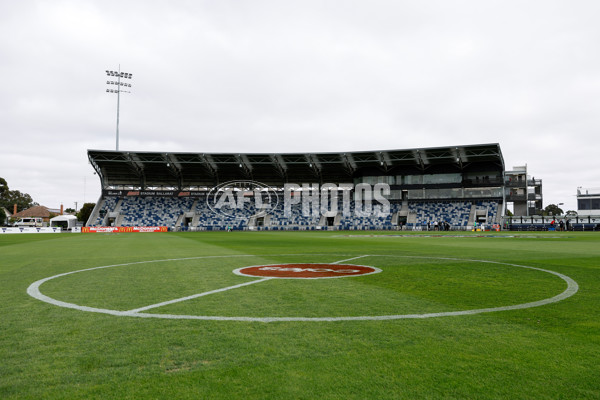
(455, 187)
(588, 201)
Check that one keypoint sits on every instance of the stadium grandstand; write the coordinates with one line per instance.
(458, 188)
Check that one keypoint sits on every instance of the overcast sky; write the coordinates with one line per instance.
(298, 76)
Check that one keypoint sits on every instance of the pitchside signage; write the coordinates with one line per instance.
(155, 193)
(30, 230)
(123, 229)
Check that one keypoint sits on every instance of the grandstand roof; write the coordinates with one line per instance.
(156, 170)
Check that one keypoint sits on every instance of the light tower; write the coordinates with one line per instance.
(119, 88)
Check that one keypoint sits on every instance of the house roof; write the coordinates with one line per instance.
(37, 211)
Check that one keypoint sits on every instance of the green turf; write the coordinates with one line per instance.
(547, 352)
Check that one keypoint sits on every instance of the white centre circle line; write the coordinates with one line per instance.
(34, 291)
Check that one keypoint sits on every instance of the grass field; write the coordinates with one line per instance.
(387, 335)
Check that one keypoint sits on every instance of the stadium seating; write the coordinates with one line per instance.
(153, 211)
(459, 214)
(455, 213)
(176, 213)
(107, 205)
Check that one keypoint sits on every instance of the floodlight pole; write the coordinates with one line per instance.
(118, 91)
(118, 104)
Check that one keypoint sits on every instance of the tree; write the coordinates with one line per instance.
(553, 209)
(85, 211)
(3, 187)
(10, 197)
(22, 200)
(2, 216)
(69, 210)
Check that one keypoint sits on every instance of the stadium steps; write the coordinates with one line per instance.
(196, 220)
(252, 221)
(322, 221)
(411, 217)
(472, 214)
(95, 216)
(395, 218)
(403, 211)
(337, 220)
(118, 206)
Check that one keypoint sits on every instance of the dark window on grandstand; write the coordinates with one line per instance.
(584, 204)
(595, 204)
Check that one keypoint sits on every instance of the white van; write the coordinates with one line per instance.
(30, 222)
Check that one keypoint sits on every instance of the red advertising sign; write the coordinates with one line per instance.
(123, 229)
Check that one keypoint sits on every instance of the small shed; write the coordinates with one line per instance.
(66, 222)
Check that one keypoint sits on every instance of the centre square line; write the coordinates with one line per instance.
(349, 259)
(194, 296)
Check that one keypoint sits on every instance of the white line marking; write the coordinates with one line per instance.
(572, 288)
(349, 259)
(195, 296)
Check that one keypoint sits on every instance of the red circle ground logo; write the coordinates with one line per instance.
(306, 271)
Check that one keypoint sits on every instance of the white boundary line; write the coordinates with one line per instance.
(34, 291)
(350, 259)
